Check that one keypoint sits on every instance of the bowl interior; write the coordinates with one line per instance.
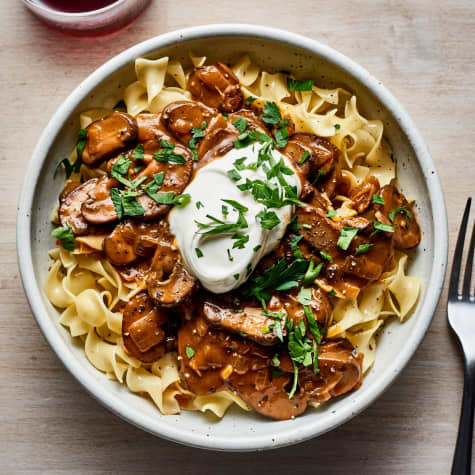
(238, 430)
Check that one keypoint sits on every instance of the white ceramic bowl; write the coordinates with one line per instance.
(273, 50)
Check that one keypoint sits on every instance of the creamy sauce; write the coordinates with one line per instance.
(214, 269)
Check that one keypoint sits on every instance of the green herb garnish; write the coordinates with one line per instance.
(65, 235)
(299, 85)
(346, 236)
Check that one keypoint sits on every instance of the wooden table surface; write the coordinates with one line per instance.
(424, 52)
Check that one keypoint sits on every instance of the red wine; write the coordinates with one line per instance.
(75, 6)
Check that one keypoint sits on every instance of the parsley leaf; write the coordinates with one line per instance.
(138, 152)
(346, 236)
(241, 124)
(304, 157)
(378, 226)
(312, 273)
(272, 113)
(65, 235)
(269, 219)
(241, 240)
(250, 100)
(199, 205)
(281, 137)
(199, 252)
(305, 296)
(378, 199)
(299, 85)
(294, 241)
(234, 175)
(117, 201)
(237, 206)
(190, 352)
(326, 256)
(363, 249)
(220, 227)
(195, 135)
(331, 214)
(167, 156)
(402, 209)
(82, 138)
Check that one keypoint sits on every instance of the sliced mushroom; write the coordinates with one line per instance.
(362, 195)
(70, 186)
(182, 116)
(407, 232)
(99, 208)
(317, 153)
(151, 127)
(168, 282)
(143, 328)
(108, 136)
(131, 240)
(216, 86)
(247, 321)
(218, 140)
(372, 264)
(70, 208)
(340, 371)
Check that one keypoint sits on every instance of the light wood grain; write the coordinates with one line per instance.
(424, 52)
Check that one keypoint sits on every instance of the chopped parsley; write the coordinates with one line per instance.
(236, 276)
(224, 211)
(304, 157)
(346, 236)
(168, 156)
(331, 214)
(237, 206)
(337, 126)
(241, 240)
(65, 235)
(402, 209)
(241, 124)
(319, 175)
(82, 138)
(239, 163)
(230, 257)
(312, 273)
(199, 252)
(378, 199)
(281, 137)
(196, 134)
(199, 205)
(326, 256)
(138, 153)
(294, 246)
(250, 100)
(256, 248)
(271, 114)
(307, 226)
(275, 360)
(363, 249)
(234, 175)
(190, 352)
(217, 226)
(378, 226)
(269, 219)
(299, 85)
(305, 296)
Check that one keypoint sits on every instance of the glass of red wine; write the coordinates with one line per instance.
(86, 17)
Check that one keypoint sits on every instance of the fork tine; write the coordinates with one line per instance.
(468, 268)
(455, 275)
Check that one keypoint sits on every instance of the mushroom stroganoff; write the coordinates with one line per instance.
(227, 235)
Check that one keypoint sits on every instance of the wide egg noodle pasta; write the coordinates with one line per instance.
(87, 287)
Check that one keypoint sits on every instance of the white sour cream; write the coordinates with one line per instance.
(210, 185)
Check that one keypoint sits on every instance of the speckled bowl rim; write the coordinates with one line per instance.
(303, 429)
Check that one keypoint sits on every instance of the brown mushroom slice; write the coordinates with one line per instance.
(216, 86)
(371, 265)
(248, 322)
(108, 136)
(70, 186)
(219, 138)
(99, 208)
(341, 371)
(70, 209)
(321, 232)
(131, 240)
(182, 116)
(321, 155)
(168, 282)
(142, 328)
(407, 232)
(151, 127)
(253, 120)
(362, 195)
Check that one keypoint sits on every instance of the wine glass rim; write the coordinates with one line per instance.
(40, 6)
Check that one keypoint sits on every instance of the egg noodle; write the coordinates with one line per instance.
(86, 288)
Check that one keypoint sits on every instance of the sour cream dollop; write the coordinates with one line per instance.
(212, 259)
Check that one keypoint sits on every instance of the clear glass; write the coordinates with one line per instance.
(94, 22)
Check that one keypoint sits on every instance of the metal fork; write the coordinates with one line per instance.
(461, 310)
